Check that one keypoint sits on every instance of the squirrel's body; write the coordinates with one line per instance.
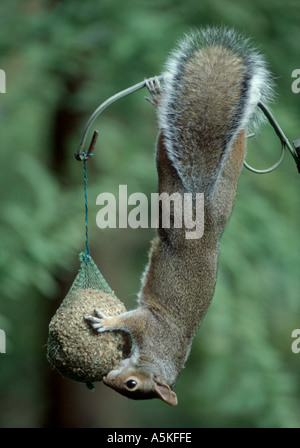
(211, 87)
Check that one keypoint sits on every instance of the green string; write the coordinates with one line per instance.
(87, 253)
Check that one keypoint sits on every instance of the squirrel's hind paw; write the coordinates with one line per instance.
(153, 86)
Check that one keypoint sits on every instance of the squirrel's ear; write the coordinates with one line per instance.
(164, 392)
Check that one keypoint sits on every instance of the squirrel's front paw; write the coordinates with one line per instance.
(153, 86)
(97, 323)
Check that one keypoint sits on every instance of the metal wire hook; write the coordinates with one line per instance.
(84, 155)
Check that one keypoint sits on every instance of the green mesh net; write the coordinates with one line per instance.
(89, 276)
(74, 348)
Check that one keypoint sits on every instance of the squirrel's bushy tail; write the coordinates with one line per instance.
(212, 84)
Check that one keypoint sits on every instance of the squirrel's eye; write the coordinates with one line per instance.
(131, 384)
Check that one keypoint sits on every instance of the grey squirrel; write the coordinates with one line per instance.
(212, 84)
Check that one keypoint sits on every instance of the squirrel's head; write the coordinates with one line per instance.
(138, 384)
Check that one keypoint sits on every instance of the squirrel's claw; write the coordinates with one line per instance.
(153, 86)
(99, 313)
(96, 322)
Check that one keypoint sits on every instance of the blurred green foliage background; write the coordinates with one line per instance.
(62, 59)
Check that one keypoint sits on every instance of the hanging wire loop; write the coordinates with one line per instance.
(284, 141)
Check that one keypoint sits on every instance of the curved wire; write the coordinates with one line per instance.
(104, 105)
(284, 141)
(267, 170)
